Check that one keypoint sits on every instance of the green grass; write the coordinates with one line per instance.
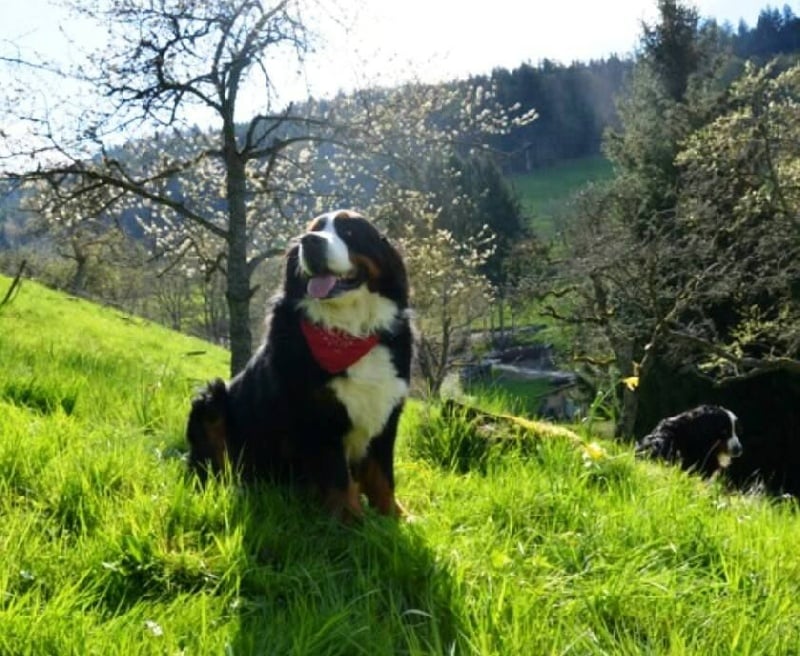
(522, 397)
(545, 191)
(523, 541)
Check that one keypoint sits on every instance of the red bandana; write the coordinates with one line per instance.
(335, 350)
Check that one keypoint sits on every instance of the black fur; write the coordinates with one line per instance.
(697, 439)
(283, 420)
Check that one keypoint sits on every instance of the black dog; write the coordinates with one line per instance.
(703, 439)
(321, 399)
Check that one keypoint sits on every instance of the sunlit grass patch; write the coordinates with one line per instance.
(39, 396)
(545, 192)
(525, 537)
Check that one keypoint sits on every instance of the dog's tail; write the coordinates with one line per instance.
(207, 430)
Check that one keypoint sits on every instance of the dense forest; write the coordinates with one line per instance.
(576, 103)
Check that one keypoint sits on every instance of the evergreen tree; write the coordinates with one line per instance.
(630, 278)
(671, 48)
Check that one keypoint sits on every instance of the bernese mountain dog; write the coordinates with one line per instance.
(320, 400)
(703, 440)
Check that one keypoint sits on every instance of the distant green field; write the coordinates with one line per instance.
(526, 538)
(545, 191)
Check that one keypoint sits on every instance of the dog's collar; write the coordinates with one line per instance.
(335, 350)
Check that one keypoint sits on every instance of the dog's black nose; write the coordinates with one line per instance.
(735, 449)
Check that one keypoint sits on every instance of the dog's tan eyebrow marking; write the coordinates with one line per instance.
(316, 224)
(347, 214)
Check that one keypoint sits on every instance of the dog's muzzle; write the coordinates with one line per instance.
(324, 260)
(734, 447)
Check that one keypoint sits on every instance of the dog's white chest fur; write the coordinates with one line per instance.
(370, 391)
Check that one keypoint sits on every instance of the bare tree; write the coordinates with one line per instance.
(164, 59)
(624, 290)
(448, 290)
(231, 194)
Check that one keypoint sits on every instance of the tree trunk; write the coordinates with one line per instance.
(627, 418)
(9, 295)
(629, 401)
(78, 284)
(630, 398)
(238, 283)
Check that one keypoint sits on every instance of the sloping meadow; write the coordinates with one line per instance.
(524, 539)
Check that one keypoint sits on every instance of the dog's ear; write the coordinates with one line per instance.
(293, 281)
(394, 270)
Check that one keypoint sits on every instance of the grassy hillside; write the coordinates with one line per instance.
(545, 191)
(525, 541)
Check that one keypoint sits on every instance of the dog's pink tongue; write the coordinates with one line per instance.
(320, 286)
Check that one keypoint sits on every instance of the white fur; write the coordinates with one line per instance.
(338, 258)
(359, 312)
(370, 391)
(733, 441)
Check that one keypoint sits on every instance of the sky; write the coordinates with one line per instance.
(437, 39)
(387, 41)
(461, 38)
